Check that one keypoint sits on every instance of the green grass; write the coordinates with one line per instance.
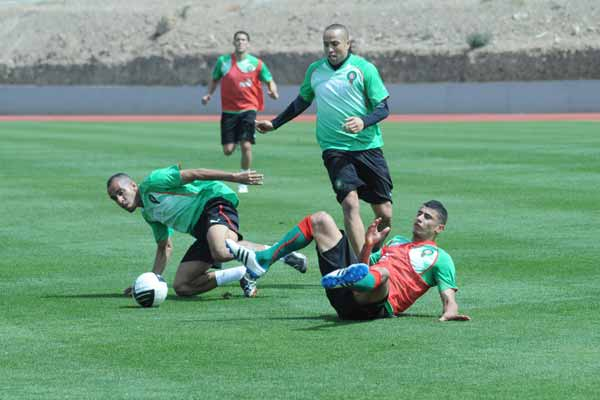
(523, 231)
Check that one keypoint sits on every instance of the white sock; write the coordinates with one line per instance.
(229, 275)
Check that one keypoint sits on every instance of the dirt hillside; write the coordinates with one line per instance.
(175, 42)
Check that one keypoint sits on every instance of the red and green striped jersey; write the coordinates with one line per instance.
(414, 267)
(241, 88)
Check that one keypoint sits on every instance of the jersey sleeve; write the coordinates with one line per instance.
(217, 72)
(444, 272)
(306, 90)
(160, 231)
(375, 257)
(374, 87)
(163, 179)
(265, 74)
(394, 241)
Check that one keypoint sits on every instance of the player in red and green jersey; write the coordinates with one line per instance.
(240, 74)
(192, 201)
(401, 272)
(351, 99)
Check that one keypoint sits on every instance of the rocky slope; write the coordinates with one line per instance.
(175, 42)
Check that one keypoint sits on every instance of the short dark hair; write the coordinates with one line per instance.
(116, 176)
(338, 27)
(439, 207)
(241, 33)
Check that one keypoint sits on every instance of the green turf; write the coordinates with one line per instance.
(523, 231)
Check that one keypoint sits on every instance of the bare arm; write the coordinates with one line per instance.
(164, 248)
(200, 174)
(372, 237)
(212, 86)
(272, 89)
(450, 307)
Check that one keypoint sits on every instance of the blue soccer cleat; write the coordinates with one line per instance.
(345, 277)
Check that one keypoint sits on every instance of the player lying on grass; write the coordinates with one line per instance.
(399, 273)
(193, 201)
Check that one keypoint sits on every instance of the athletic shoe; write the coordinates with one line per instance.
(247, 257)
(296, 260)
(248, 286)
(242, 188)
(345, 277)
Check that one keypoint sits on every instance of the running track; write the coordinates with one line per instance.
(391, 118)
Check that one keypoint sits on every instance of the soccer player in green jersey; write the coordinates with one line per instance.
(399, 274)
(193, 201)
(241, 76)
(351, 99)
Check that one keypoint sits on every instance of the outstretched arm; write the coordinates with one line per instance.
(164, 248)
(372, 237)
(295, 108)
(450, 307)
(246, 177)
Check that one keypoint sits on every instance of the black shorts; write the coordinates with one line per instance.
(342, 299)
(364, 171)
(216, 212)
(238, 127)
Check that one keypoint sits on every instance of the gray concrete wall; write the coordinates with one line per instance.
(428, 98)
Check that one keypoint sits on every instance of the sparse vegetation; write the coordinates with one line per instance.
(477, 40)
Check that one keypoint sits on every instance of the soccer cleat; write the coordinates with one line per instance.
(247, 257)
(296, 260)
(345, 277)
(242, 188)
(248, 286)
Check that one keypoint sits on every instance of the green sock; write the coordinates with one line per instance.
(291, 241)
(369, 282)
(366, 284)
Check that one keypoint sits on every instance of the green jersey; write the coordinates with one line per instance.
(352, 90)
(169, 205)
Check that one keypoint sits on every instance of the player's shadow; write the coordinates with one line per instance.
(292, 286)
(333, 321)
(87, 296)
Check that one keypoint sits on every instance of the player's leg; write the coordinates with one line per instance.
(345, 181)
(383, 211)
(228, 149)
(193, 277)
(357, 291)
(353, 223)
(372, 169)
(319, 226)
(246, 149)
(245, 135)
(219, 219)
(228, 126)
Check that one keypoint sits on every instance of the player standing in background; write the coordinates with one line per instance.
(240, 74)
(401, 272)
(192, 201)
(351, 100)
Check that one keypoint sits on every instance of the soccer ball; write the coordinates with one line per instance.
(149, 290)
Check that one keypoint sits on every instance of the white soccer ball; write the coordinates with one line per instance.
(149, 290)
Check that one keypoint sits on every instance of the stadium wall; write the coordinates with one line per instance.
(578, 96)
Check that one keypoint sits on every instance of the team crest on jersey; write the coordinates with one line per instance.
(422, 257)
(351, 76)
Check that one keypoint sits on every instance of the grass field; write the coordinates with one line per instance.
(523, 231)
